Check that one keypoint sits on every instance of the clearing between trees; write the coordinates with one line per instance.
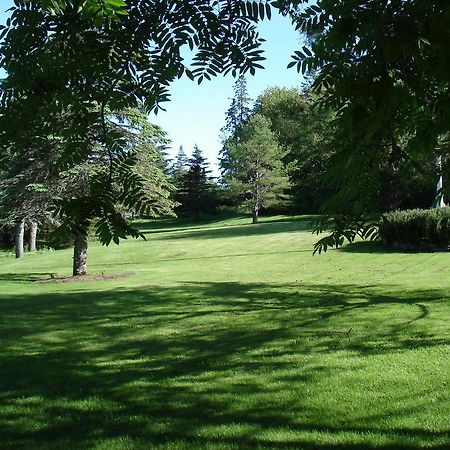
(226, 335)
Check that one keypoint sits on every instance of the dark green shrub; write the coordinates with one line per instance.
(417, 229)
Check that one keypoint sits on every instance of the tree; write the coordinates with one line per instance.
(304, 132)
(70, 65)
(384, 68)
(256, 173)
(235, 117)
(28, 183)
(195, 193)
(139, 170)
(179, 166)
(239, 110)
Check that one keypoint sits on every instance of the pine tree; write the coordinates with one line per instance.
(236, 116)
(256, 173)
(179, 166)
(239, 110)
(195, 189)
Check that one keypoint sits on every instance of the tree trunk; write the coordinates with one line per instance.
(439, 195)
(32, 236)
(18, 238)
(80, 247)
(255, 213)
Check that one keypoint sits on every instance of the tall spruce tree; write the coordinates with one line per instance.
(240, 107)
(256, 173)
(235, 117)
(179, 166)
(195, 190)
(304, 132)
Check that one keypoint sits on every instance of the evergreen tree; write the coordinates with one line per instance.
(179, 166)
(239, 110)
(304, 132)
(195, 191)
(236, 116)
(256, 173)
(28, 185)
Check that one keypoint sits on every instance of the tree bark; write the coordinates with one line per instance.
(18, 238)
(255, 214)
(32, 236)
(439, 195)
(80, 247)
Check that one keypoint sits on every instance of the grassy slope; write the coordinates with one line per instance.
(227, 336)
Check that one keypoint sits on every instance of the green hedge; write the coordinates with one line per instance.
(417, 229)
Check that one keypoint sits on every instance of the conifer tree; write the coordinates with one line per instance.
(179, 166)
(236, 116)
(239, 110)
(195, 190)
(256, 173)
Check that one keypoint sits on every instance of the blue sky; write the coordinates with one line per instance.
(196, 114)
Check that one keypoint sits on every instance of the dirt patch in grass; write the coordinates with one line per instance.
(93, 277)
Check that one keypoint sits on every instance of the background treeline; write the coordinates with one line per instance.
(279, 154)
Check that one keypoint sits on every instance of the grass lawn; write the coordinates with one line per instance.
(226, 335)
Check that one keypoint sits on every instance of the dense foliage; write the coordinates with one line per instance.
(417, 228)
(255, 171)
(73, 66)
(384, 69)
(196, 193)
(304, 132)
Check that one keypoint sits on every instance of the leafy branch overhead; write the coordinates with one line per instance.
(384, 69)
(71, 63)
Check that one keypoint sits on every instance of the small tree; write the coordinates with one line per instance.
(194, 194)
(256, 173)
(179, 166)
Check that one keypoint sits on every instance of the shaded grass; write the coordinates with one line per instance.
(226, 338)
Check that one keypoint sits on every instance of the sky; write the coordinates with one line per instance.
(196, 113)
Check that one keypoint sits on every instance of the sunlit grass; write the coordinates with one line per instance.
(226, 335)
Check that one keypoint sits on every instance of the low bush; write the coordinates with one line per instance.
(417, 229)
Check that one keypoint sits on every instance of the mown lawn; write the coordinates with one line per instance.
(226, 335)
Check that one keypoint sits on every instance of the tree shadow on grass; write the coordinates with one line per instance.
(230, 231)
(156, 226)
(380, 247)
(208, 365)
(366, 247)
(25, 277)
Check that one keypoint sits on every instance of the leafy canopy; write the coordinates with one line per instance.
(384, 68)
(72, 63)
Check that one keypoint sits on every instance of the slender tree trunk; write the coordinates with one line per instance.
(439, 195)
(80, 247)
(32, 236)
(255, 213)
(18, 238)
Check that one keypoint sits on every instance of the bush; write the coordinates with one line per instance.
(417, 229)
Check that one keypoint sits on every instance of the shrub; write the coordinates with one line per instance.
(417, 229)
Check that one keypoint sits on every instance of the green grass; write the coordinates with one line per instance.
(226, 336)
